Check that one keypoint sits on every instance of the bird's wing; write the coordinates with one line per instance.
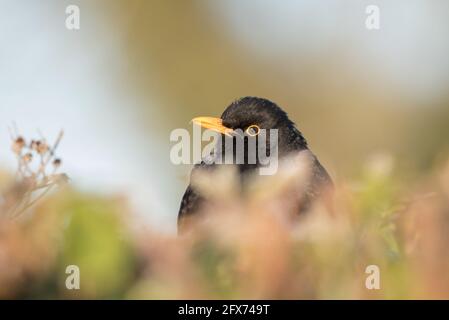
(189, 204)
(191, 200)
(319, 183)
(319, 174)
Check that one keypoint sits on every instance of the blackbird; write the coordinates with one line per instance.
(250, 114)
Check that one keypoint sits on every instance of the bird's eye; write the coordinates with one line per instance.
(253, 130)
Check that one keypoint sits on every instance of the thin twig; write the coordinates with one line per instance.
(34, 201)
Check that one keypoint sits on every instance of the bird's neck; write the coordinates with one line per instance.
(291, 140)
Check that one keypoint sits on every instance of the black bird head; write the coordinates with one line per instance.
(245, 120)
(250, 115)
(248, 111)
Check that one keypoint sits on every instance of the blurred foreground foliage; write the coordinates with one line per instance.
(244, 248)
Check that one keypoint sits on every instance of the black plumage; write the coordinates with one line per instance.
(264, 114)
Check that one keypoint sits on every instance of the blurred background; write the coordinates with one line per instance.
(136, 70)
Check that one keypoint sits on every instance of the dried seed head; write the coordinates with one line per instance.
(21, 141)
(42, 147)
(35, 144)
(27, 158)
(18, 145)
(57, 162)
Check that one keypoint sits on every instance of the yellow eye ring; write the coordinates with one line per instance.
(253, 130)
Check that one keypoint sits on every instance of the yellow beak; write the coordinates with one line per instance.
(215, 124)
